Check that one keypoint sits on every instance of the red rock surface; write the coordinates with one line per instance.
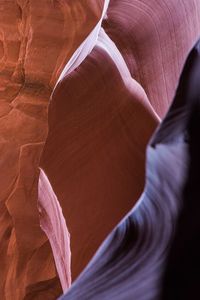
(94, 153)
(36, 40)
(153, 253)
(99, 126)
(154, 38)
(100, 120)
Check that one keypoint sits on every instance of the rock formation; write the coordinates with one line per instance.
(154, 38)
(154, 251)
(100, 118)
(36, 40)
(94, 154)
(83, 86)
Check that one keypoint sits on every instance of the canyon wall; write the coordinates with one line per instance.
(83, 86)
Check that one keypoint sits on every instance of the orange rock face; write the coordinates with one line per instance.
(108, 89)
(36, 40)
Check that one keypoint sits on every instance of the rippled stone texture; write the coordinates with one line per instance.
(162, 231)
(154, 38)
(37, 38)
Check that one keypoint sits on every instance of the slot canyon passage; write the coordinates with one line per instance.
(83, 86)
